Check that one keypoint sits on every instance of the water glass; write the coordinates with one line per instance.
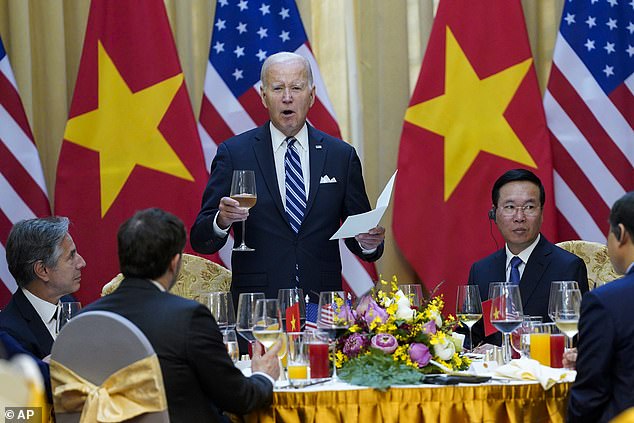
(221, 306)
(297, 356)
(68, 310)
(293, 308)
(414, 293)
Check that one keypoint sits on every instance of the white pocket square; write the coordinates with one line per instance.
(326, 180)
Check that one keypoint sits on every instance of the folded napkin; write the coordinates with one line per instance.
(528, 369)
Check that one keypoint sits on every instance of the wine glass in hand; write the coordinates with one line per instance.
(469, 307)
(267, 322)
(506, 312)
(334, 318)
(243, 190)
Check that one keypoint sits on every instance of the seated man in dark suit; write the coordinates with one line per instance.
(46, 266)
(200, 378)
(528, 258)
(605, 369)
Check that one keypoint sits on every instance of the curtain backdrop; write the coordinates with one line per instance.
(369, 53)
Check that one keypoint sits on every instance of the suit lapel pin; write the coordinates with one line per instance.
(318, 147)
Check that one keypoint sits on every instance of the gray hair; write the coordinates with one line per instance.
(33, 240)
(285, 56)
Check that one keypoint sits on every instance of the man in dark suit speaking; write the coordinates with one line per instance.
(200, 378)
(528, 258)
(604, 386)
(307, 183)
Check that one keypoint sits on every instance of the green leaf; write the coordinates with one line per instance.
(379, 371)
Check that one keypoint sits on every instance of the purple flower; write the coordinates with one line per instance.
(384, 342)
(419, 353)
(430, 327)
(355, 344)
(369, 310)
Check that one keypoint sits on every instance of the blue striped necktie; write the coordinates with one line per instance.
(295, 189)
(514, 277)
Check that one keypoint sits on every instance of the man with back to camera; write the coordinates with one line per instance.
(45, 264)
(527, 258)
(604, 386)
(199, 377)
(300, 204)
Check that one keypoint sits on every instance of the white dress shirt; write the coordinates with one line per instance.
(47, 311)
(524, 256)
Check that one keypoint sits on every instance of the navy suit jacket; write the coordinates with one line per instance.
(277, 248)
(20, 320)
(198, 375)
(604, 386)
(546, 263)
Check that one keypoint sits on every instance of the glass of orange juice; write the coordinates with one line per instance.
(297, 356)
(540, 343)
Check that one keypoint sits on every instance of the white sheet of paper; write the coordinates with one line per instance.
(361, 223)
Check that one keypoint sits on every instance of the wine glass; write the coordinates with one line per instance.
(334, 318)
(413, 292)
(556, 286)
(567, 311)
(221, 306)
(469, 307)
(246, 312)
(231, 342)
(506, 312)
(267, 322)
(293, 308)
(67, 310)
(243, 191)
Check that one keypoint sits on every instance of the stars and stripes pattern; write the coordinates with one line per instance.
(244, 34)
(589, 106)
(23, 193)
(295, 190)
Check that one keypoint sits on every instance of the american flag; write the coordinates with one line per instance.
(312, 311)
(23, 192)
(589, 106)
(244, 34)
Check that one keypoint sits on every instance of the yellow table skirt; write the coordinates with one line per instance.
(477, 403)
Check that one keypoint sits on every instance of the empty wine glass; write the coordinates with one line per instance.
(246, 311)
(567, 311)
(469, 307)
(67, 310)
(243, 190)
(221, 306)
(506, 312)
(556, 286)
(334, 318)
(293, 308)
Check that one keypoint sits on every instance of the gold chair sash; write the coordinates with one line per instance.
(131, 391)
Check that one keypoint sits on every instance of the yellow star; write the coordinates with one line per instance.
(470, 115)
(293, 322)
(124, 130)
(496, 314)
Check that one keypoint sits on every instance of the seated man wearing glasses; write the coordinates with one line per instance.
(528, 258)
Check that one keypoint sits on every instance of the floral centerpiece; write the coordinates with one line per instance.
(392, 342)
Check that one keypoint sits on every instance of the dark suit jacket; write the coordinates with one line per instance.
(277, 248)
(20, 320)
(605, 366)
(198, 374)
(546, 263)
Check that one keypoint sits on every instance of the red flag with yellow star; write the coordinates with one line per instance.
(131, 140)
(475, 113)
